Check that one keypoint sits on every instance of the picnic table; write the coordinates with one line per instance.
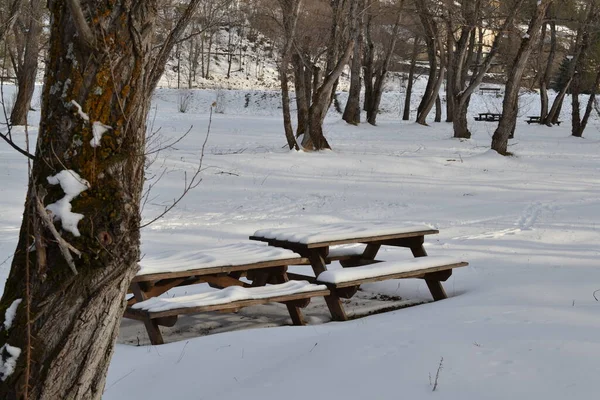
(315, 243)
(488, 117)
(222, 268)
(496, 91)
(537, 120)
(247, 274)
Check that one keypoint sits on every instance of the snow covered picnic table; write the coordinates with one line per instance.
(250, 273)
(221, 268)
(314, 243)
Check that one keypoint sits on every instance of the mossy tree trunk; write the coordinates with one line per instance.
(66, 324)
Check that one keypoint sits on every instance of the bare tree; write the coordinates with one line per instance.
(25, 58)
(513, 83)
(429, 13)
(376, 74)
(469, 65)
(71, 270)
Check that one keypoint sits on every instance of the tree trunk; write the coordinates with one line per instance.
(460, 124)
(381, 74)
(28, 70)
(438, 109)
(411, 78)
(450, 76)
(511, 91)
(302, 103)
(67, 323)
(545, 79)
(290, 17)
(352, 110)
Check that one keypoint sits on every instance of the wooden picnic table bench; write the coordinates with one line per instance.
(496, 91)
(314, 243)
(264, 269)
(488, 117)
(537, 120)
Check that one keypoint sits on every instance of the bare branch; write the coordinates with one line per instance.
(195, 181)
(65, 247)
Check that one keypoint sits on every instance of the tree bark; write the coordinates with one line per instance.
(545, 78)
(67, 323)
(411, 78)
(511, 91)
(290, 9)
(352, 110)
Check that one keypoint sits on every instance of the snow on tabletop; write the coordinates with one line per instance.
(72, 184)
(8, 360)
(227, 255)
(10, 313)
(384, 268)
(227, 295)
(98, 129)
(339, 231)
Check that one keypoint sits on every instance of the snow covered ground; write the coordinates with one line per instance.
(521, 322)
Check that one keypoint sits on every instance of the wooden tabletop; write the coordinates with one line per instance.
(318, 236)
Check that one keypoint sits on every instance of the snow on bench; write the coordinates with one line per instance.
(213, 260)
(416, 267)
(232, 297)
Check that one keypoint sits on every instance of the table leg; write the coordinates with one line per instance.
(293, 309)
(151, 325)
(317, 261)
(434, 285)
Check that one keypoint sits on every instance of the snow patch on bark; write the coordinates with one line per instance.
(72, 184)
(98, 129)
(9, 315)
(8, 360)
(83, 115)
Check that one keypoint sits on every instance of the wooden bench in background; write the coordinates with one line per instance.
(535, 119)
(488, 117)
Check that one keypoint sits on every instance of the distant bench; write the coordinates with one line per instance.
(496, 91)
(488, 117)
(535, 119)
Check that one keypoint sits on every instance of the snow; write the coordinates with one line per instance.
(384, 268)
(10, 313)
(521, 320)
(221, 256)
(8, 364)
(83, 115)
(98, 129)
(229, 294)
(72, 184)
(336, 232)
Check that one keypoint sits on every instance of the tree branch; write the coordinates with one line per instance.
(86, 37)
